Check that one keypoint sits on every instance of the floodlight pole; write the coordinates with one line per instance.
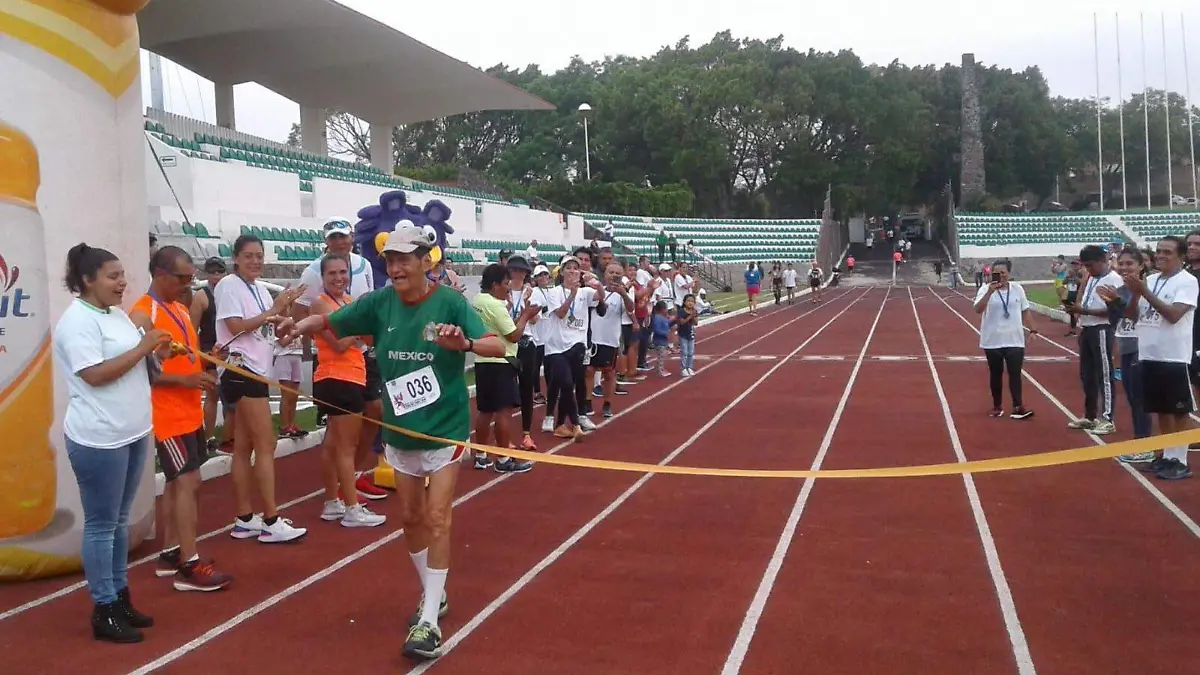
(584, 109)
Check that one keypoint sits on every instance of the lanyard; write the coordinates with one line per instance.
(1159, 283)
(1090, 288)
(516, 306)
(183, 327)
(254, 292)
(1004, 300)
(339, 301)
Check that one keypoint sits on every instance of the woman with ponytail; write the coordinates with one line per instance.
(107, 426)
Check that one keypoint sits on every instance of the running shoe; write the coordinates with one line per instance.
(608, 413)
(483, 462)
(623, 380)
(598, 391)
(1137, 458)
(539, 399)
(200, 575)
(1173, 469)
(1153, 466)
(1021, 413)
(1081, 424)
(996, 412)
(424, 642)
(360, 516)
(167, 564)
(1103, 428)
(280, 532)
(548, 424)
(247, 529)
(587, 424)
(528, 444)
(621, 391)
(366, 488)
(443, 610)
(333, 511)
(565, 431)
(510, 465)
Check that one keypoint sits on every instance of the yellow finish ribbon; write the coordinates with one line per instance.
(1032, 461)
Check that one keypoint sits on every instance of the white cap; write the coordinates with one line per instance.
(541, 269)
(336, 226)
(408, 238)
(665, 267)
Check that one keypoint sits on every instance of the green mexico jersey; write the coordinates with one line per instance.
(424, 386)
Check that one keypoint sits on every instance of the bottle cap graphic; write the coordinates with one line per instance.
(19, 171)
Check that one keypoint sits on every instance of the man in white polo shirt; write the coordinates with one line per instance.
(1164, 306)
(1096, 343)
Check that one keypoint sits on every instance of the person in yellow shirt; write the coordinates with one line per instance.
(496, 388)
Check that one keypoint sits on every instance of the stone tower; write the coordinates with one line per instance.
(972, 177)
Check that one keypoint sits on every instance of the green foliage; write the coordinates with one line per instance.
(749, 128)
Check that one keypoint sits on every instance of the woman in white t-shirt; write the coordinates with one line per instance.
(1005, 311)
(246, 317)
(565, 335)
(107, 427)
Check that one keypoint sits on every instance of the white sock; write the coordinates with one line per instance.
(435, 586)
(420, 561)
(1179, 452)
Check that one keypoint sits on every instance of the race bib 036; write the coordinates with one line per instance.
(414, 391)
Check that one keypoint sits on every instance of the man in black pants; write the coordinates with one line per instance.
(1095, 343)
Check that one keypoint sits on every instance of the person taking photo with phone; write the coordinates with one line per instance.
(1006, 317)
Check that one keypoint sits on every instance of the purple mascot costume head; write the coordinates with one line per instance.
(376, 221)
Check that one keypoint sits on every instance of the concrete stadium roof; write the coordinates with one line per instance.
(323, 55)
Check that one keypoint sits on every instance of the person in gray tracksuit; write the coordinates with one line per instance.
(1096, 343)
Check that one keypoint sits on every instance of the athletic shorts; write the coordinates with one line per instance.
(1167, 388)
(181, 454)
(287, 368)
(1194, 371)
(814, 283)
(348, 397)
(496, 387)
(234, 387)
(604, 358)
(374, 390)
(752, 290)
(626, 337)
(421, 463)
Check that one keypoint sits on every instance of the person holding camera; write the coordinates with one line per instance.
(1006, 317)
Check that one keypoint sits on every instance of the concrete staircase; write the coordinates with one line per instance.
(1119, 223)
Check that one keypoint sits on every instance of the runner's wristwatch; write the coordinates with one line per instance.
(470, 345)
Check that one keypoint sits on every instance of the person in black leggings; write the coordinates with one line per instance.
(566, 344)
(520, 296)
(1006, 316)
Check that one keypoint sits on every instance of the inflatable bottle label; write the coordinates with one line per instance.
(27, 459)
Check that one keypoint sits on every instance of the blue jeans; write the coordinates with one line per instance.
(108, 482)
(687, 351)
(1131, 379)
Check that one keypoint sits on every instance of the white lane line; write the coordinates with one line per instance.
(557, 553)
(741, 644)
(233, 622)
(1008, 605)
(80, 585)
(1162, 499)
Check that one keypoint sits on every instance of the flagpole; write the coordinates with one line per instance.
(1188, 93)
(1121, 116)
(1099, 134)
(1145, 106)
(1167, 111)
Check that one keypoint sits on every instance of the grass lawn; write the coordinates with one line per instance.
(1043, 295)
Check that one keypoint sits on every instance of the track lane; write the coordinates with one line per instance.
(1091, 557)
(896, 560)
(491, 551)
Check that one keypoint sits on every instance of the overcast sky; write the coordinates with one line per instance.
(1055, 35)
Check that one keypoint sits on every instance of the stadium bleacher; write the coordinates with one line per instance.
(1152, 226)
(721, 241)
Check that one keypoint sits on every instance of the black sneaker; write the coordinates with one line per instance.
(621, 391)
(131, 615)
(424, 642)
(539, 399)
(510, 465)
(167, 564)
(598, 391)
(1173, 469)
(1153, 466)
(608, 410)
(109, 625)
(587, 409)
(622, 381)
(483, 462)
(1021, 413)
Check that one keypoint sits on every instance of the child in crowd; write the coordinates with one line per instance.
(660, 331)
(685, 322)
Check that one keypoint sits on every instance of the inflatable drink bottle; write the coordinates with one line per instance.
(27, 470)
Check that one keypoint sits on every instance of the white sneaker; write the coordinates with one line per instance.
(548, 425)
(247, 530)
(586, 423)
(360, 516)
(280, 532)
(1103, 428)
(333, 510)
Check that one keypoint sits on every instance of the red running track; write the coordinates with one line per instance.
(1078, 569)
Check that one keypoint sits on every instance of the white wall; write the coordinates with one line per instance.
(1019, 250)
(506, 221)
